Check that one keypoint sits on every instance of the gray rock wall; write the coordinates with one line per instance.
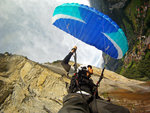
(30, 87)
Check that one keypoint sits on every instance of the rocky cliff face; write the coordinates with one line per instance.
(30, 87)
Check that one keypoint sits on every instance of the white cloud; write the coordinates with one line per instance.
(26, 29)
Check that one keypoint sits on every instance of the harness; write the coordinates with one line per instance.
(79, 88)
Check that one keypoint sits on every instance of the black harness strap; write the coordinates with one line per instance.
(98, 82)
(75, 61)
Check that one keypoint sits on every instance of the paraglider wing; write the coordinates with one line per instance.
(92, 27)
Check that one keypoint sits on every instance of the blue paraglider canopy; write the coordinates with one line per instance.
(92, 27)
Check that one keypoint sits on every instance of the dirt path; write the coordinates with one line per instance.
(137, 102)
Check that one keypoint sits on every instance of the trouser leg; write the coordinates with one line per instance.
(102, 106)
(65, 61)
(74, 103)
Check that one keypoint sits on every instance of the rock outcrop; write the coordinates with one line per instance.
(30, 87)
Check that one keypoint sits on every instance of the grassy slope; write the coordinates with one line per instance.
(137, 70)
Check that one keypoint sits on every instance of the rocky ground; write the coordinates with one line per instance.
(30, 87)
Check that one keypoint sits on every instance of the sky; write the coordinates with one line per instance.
(26, 29)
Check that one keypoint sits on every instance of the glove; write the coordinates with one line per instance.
(74, 49)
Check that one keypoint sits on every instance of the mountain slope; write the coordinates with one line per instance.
(30, 87)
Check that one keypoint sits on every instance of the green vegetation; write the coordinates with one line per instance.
(136, 68)
(147, 24)
(131, 10)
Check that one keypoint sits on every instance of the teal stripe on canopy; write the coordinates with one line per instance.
(92, 27)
